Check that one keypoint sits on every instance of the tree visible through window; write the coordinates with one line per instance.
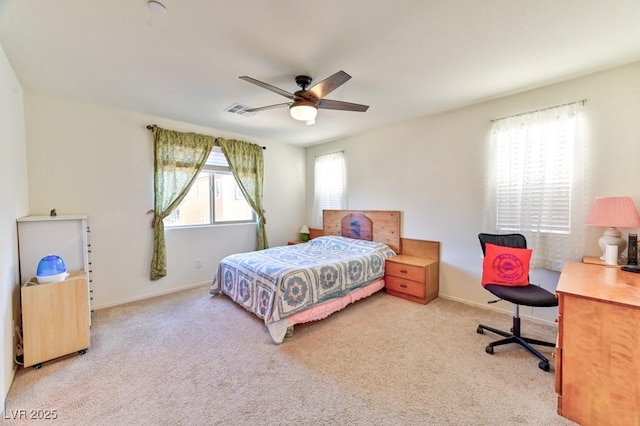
(213, 198)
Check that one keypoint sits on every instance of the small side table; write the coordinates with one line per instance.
(293, 243)
(412, 278)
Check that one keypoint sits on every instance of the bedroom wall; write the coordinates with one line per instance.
(13, 187)
(94, 160)
(433, 170)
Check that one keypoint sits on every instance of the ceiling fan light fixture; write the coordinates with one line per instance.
(303, 111)
(304, 104)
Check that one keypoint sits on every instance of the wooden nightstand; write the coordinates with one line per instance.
(412, 278)
(293, 243)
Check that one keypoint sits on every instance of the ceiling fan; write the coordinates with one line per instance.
(307, 101)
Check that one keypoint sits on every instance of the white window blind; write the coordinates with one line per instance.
(330, 188)
(534, 177)
(536, 182)
(217, 159)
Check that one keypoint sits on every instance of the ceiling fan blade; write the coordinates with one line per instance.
(269, 87)
(339, 105)
(268, 107)
(329, 84)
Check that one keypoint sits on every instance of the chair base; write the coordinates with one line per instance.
(515, 337)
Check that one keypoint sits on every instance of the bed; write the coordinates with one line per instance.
(293, 284)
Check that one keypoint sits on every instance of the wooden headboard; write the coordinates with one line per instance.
(376, 225)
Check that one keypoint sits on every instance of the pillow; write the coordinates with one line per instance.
(505, 265)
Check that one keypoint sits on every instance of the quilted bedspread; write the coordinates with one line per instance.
(278, 282)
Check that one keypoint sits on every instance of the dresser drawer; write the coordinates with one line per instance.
(401, 285)
(402, 270)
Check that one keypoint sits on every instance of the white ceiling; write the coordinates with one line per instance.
(408, 58)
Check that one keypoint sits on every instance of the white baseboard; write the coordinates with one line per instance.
(149, 296)
(498, 309)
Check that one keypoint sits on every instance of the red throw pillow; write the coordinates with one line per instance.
(505, 265)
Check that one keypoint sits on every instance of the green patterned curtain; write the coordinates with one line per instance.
(178, 158)
(247, 164)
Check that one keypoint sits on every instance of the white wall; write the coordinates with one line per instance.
(90, 159)
(86, 158)
(14, 203)
(433, 170)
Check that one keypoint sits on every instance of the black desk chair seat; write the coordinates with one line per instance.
(529, 295)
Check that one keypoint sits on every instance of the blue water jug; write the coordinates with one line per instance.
(51, 268)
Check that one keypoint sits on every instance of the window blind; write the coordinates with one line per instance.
(533, 177)
(535, 182)
(330, 189)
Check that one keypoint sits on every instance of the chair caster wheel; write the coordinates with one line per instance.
(544, 365)
(479, 330)
(82, 351)
(37, 366)
(489, 350)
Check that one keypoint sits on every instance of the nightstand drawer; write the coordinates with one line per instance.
(402, 270)
(412, 277)
(401, 285)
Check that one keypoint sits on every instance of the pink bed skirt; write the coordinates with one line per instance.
(325, 309)
(278, 329)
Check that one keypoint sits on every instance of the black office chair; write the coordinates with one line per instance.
(528, 295)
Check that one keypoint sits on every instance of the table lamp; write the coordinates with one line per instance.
(613, 213)
(304, 233)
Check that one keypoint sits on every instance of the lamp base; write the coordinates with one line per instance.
(612, 236)
(304, 237)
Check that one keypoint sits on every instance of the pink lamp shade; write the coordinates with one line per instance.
(617, 212)
(612, 213)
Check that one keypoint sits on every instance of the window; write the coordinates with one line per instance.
(536, 182)
(214, 197)
(330, 188)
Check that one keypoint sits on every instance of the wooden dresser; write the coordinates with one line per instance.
(414, 273)
(598, 350)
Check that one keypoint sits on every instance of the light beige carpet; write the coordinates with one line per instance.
(192, 359)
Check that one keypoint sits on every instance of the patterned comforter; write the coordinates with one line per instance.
(278, 282)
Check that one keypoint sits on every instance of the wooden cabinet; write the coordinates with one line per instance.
(64, 235)
(55, 318)
(414, 274)
(598, 348)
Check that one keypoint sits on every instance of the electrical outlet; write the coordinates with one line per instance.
(198, 263)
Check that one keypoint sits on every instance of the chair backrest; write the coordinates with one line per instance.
(506, 240)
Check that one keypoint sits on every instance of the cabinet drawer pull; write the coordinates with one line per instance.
(404, 271)
(403, 285)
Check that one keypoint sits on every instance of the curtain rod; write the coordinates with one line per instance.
(150, 127)
(583, 101)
